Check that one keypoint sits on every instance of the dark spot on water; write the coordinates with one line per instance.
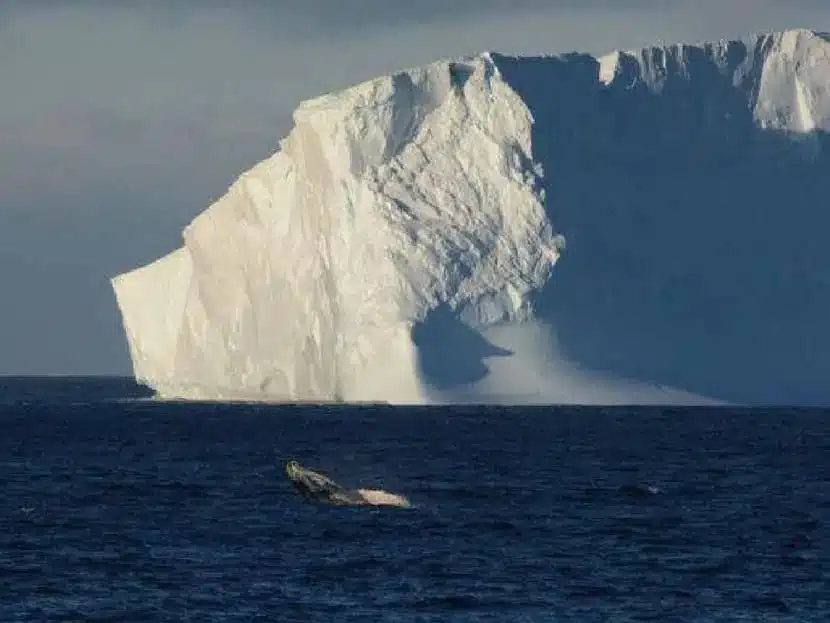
(500, 527)
(592, 591)
(773, 603)
(639, 491)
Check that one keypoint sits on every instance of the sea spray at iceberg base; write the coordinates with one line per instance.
(645, 227)
(533, 369)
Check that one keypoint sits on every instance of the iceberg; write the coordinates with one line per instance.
(644, 227)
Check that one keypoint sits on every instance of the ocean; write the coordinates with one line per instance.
(119, 508)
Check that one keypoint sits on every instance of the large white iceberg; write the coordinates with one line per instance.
(407, 241)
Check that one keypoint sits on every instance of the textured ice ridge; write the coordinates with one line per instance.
(412, 209)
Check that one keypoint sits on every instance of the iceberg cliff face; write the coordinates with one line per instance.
(401, 243)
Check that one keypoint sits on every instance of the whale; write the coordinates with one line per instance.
(314, 487)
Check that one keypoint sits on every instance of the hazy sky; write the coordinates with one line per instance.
(120, 121)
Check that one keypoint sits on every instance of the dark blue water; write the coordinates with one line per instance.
(121, 509)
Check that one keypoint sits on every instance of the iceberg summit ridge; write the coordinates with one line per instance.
(642, 227)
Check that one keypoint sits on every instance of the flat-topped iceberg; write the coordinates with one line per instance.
(552, 229)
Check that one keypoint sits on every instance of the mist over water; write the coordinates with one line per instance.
(525, 365)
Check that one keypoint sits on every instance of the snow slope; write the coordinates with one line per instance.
(407, 242)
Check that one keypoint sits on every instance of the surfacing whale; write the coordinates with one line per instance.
(315, 487)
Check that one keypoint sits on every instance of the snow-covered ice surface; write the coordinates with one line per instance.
(646, 227)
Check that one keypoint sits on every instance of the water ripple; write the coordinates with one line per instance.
(151, 512)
